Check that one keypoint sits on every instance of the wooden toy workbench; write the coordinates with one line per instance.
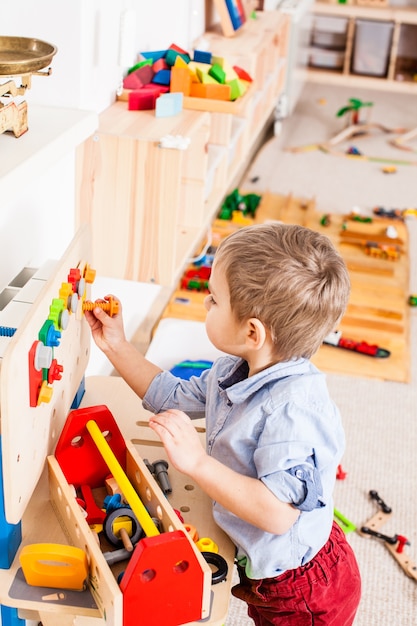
(39, 503)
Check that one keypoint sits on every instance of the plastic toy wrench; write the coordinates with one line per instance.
(54, 565)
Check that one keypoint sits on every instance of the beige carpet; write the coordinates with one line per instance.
(380, 417)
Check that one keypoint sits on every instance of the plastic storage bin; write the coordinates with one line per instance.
(329, 32)
(371, 49)
(328, 59)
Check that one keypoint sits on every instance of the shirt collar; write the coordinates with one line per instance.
(239, 387)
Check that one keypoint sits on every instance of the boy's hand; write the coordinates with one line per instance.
(180, 439)
(107, 331)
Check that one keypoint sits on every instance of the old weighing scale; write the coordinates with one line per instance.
(20, 57)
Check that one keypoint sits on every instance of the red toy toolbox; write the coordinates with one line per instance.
(166, 580)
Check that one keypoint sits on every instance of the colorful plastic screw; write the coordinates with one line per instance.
(111, 306)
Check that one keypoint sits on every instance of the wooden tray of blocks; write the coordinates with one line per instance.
(378, 311)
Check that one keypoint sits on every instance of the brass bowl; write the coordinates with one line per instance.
(24, 55)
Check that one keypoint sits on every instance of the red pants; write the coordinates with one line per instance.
(324, 592)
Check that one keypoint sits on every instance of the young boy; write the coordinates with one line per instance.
(274, 437)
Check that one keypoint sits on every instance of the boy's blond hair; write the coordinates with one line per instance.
(289, 277)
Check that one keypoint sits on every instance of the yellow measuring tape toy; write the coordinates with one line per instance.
(54, 565)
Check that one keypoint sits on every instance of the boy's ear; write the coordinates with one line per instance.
(255, 334)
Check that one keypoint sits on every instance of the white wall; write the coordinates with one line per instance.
(85, 70)
(97, 41)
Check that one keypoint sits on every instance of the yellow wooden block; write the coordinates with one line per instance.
(218, 61)
(204, 77)
(231, 74)
(195, 65)
(179, 62)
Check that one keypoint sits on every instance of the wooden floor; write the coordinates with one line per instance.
(378, 312)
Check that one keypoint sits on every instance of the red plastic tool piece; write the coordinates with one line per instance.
(163, 582)
(94, 514)
(76, 452)
(340, 474)
(35, 376)
(402, 541)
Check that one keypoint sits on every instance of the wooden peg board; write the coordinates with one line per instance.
(29, 433)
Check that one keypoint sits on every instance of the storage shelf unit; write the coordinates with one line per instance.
(391, 31)
(151, 206)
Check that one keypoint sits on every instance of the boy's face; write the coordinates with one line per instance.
(222, 328)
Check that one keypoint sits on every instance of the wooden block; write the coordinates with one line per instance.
(211, 91)
(162, 77)
(168, 104)
(160, 64)
(202, 56)
(141, 100)
(172, 55)
(204, 77)
(180, 62)
(180, 80)
(216, 71)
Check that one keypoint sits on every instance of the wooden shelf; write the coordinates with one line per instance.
(154, 204)
(399, 74)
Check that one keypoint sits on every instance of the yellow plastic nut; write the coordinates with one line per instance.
(45, 393)
(205, 544)
(89, 274)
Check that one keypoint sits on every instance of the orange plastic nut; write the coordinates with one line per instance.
(192, 531)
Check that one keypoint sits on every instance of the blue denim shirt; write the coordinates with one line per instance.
(279, 426)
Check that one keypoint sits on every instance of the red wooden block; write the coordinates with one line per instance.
(242, 73)
(142, 99)
(173, 46)
(140, 77)
(132, 81)
(160, 64)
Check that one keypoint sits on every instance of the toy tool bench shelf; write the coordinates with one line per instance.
(149, 205)
(364, 44)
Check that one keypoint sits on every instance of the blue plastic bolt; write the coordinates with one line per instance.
(111, 503)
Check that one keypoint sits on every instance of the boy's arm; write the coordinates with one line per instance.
(108, 333)
(132, 366)
(248, 498)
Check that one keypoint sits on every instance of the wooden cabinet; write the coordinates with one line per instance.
(370, 46)
(151, 205)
